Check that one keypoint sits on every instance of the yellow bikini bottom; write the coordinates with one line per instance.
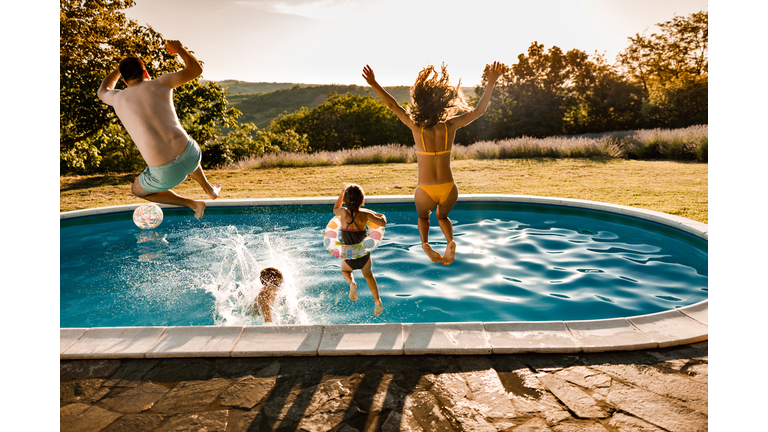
(439, 192)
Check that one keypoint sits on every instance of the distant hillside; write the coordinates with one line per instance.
(244, 87)
(261, 102)
(261, 108)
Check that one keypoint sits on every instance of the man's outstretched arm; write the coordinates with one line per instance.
(107, 88)
(192, 68)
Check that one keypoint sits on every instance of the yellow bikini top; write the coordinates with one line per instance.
(425, 152)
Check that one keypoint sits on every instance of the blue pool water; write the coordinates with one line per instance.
(514, 262)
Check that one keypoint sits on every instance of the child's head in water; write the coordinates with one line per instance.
(434, 99)
(354, 196)
(271, 276)
(272, 279)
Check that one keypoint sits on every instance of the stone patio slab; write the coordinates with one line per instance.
(577, 401)
(671, 328)
(196, 341)
(657, 410)
(362, 339)
(68, 337)
(609, 335)
(114, 342)
(698, 311)
(272, 341)
(536, 336)
(445, 338)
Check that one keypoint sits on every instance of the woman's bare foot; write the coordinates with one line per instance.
(199, 208)
(431, 253)
(450, 253)
(213, 192)
(353, 291)
(378, 308)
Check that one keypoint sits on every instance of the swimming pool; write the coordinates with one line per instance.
(528, 259)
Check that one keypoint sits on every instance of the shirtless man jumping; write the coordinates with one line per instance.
(146, 110)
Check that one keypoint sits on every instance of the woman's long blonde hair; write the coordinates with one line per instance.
(434, 99)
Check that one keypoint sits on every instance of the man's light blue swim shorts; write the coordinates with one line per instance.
(163, 177)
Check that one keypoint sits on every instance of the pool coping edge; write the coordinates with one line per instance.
(466, 338)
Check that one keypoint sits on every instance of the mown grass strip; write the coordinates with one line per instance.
(679, 188)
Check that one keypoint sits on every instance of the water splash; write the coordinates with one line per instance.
(237, 283)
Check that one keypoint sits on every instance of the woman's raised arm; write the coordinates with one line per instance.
(387, 98)
(493, 73)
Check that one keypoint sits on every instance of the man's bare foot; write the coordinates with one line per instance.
(199, 208)
(214, 192)
(450, 253)
(431, 253)
(378, 308)
(353, 291)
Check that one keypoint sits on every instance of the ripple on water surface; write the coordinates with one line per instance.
(513, 262)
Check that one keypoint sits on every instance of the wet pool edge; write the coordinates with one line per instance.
(674, 327)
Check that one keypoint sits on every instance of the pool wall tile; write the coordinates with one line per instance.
(445, 338)
(536, 337)
(670, 327)
(68, 337)
(114, 342)
(362, 339)
(273, 341)
(615, 334)
(698, 311)
(196, 341)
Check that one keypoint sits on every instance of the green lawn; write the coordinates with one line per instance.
(678, 188)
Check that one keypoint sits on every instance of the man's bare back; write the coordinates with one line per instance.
(147, 112)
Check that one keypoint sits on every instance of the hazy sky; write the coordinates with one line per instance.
(329, 41)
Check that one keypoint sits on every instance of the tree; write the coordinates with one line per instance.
(680, 102)
(600, 99)
(247, 140)
(94, 36)
(345, 122)
(680, 48)
(528, 99)
(672, 66)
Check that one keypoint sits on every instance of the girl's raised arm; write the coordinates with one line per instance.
(337, 209)
(493, 73)
(387, 98)
(377, 218)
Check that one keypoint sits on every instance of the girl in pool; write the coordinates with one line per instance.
(433, 120)
(353, 222)
(272, 282)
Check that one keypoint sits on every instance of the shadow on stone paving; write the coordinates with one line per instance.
(327, 393)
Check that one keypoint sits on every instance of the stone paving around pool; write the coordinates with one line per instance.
(647, 390)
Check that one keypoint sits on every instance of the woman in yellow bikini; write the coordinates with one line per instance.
(433, 120)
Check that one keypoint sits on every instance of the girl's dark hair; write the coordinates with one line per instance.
(131, 68)
(434, 99)
(353, 198)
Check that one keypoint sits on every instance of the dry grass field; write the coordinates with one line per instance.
(678, 188)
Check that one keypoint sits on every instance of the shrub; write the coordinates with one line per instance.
(246, 141)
